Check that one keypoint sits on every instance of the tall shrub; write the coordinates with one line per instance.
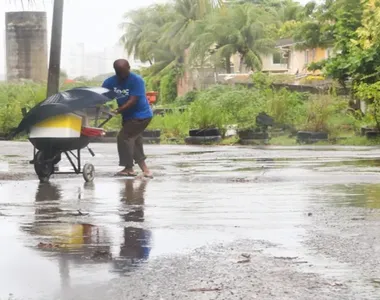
(168, 88)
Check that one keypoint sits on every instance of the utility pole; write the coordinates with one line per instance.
(55, 49)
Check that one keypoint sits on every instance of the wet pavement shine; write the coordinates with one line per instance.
(214, 223)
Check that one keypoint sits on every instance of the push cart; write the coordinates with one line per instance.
(60, 125)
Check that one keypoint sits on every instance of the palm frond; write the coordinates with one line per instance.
(253, 60)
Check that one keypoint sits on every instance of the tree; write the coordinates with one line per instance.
(181, 31)
(143, 29)
(243, 29)
(205, 6)
(317, 29)
(366, 51)
(335, 24)
(161, 33)
(369, 32)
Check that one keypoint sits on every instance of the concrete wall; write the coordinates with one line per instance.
(26, 45)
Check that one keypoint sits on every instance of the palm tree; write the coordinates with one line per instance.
(160, 34)
(242, 30)
(143, 29)
(189, 17)
(205, 6)
(144, 37)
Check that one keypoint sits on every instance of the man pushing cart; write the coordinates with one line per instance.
(59, 124)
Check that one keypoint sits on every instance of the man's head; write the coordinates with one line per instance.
(122, 68)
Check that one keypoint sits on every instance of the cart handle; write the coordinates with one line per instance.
(106, 121)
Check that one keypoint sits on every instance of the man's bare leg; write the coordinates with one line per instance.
(127, 171)
(145, 169)
(125, 145)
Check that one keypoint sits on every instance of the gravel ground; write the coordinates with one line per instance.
(235, 271)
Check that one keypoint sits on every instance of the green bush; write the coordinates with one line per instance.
(262, 80)
(217, 106)
(14, 97)
(172, 125)
(286, 107)
(371, 94)
(207, 114)
(323, 111)
(152, 83)
(186, 99)
(168, 88)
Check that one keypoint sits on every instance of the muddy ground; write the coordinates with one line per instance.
(214, 223)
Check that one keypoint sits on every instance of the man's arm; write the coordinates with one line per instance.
(132, 100)
(135, 92)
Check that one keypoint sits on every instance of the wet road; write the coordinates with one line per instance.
(214, 223)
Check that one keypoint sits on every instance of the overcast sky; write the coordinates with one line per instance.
(93, 22)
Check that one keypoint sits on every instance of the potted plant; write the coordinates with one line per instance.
(316, 127)
(206, 122)
(253, 127)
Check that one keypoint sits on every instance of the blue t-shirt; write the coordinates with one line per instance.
(131, 86)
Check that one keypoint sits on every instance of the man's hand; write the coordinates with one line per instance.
(130, 103)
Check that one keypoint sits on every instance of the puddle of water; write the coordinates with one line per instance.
(355, 163)
(4, 166)
(113, 226)
(195, 153)
(363, 195)
(133, 221)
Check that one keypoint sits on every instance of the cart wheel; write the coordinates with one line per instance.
(43, 168)
(88, 172)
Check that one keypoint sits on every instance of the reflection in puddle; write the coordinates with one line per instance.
(67, 241)
(75, 241)
(136, 244)
(354, 163)
(356, 195)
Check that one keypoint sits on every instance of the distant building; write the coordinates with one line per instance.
(288, 60)
(293, 61)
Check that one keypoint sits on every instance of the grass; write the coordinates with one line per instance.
(230, 141)
(284, 140)
(356, 141)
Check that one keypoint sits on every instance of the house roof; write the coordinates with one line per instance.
(284, 42)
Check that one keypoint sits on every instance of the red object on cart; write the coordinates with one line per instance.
(93, 132)
(152, 97)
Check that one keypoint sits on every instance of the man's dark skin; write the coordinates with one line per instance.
(122, 70)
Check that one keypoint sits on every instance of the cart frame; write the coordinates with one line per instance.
(46, 157)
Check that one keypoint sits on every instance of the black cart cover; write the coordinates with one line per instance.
(65, 102)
